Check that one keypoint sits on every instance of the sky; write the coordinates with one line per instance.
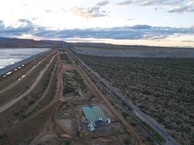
(130, 22)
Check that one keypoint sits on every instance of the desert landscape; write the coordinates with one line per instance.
(48, 108)
(97, 72)
(162, 87)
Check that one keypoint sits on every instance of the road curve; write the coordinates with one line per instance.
(12, 102)
(150, 121)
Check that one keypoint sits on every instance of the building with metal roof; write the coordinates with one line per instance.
(95, 116)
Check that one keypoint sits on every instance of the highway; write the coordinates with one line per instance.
(150, 121)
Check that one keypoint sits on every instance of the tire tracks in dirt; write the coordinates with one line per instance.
(52, 124)
(13, 101)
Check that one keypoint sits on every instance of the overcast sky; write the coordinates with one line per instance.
(142, 22)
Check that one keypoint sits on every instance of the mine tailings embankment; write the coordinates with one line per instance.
(20, 63)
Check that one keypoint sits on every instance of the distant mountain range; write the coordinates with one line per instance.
(6, 42)
(114, 46)
(28, 43)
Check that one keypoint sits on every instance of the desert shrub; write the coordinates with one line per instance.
(68, 90)
(127, 141)
(124, 114)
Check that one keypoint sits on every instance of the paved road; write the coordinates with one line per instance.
(12, 102)
(162, 131)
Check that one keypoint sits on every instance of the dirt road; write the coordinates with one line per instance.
(53, 126)
(27, 73)
(150, 121)
(12, 102)
(131, 130)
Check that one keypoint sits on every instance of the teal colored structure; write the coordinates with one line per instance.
(94, 113)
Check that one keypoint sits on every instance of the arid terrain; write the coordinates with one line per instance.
(43, 105)
(108, 50)
(162, 87)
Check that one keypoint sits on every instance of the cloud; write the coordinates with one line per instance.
(141, 27)
(26, 27)
(92, 12)
(191, 2)
(169, 17)
(136, 32)
(103, 3)
(149, 2)
(190, 41)
(125, 2)
(26, 23)
(131, 32)
(48, 11)
(1, 24)
(182, 9)
(172, 6)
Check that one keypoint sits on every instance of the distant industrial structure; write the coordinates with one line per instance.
(94, 117)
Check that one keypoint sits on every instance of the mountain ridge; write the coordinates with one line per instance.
(6, 42)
